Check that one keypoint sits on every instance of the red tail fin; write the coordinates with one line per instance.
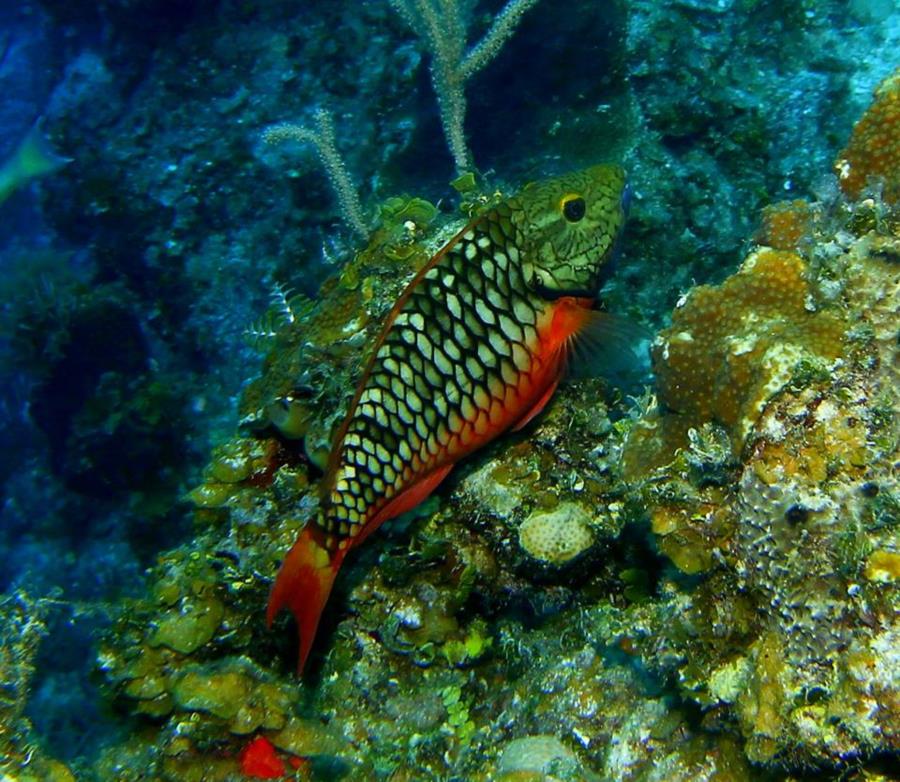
(303, 585)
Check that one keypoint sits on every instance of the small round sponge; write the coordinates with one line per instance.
(557, 536)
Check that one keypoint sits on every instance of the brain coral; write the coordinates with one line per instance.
(874, 146)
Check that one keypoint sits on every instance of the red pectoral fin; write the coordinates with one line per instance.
(303, 585)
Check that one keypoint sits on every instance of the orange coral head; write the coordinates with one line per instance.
(874, 146)
(259, 761)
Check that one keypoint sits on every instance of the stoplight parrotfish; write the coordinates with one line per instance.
(475, 346)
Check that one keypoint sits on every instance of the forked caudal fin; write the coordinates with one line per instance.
(303, 585)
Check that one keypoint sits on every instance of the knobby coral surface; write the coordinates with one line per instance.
(873, 151)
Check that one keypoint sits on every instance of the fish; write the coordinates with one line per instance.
(33, 158)
(475, 346)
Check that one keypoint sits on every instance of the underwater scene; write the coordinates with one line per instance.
(450, 390)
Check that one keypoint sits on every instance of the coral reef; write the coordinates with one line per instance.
(703, 587)
(795, 524)
(782, 645)
(700, 584)
(730, 349)
(874, 148)
(557, 536)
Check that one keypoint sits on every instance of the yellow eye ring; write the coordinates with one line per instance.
(572, 207)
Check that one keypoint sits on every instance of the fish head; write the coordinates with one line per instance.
(567, 229)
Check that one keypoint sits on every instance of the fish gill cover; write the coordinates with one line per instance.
(696, 575)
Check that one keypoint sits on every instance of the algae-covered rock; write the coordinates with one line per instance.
(234, 693)
(219, 694)
(189, 628)
(543, 755)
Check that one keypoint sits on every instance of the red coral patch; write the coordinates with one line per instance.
(258, 760)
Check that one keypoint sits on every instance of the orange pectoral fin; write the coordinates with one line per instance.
(303, 585)
(594, 343)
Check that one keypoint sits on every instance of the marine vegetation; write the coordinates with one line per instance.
(702, 582)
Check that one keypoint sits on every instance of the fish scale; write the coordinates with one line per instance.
(475, 346)
(457, 303)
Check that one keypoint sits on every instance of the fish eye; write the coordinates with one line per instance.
(573, 207)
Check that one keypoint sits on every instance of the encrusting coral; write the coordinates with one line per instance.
(783, 225)
(731, 348)
(791, 632)
(874, 148)
(519, 624)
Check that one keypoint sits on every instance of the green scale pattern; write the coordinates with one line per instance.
(464, 334)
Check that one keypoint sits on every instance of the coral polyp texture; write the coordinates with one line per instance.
(784, 225)
(786, 498)
(732, 347)
(873, 151)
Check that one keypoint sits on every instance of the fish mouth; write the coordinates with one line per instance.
(552, 294)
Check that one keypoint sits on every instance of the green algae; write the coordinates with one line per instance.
(188, 629)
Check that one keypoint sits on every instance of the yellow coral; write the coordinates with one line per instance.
(732, 347)
(874, 146)
(679, 540)
(559, 536)
(785, 224)
(883, 565)
(761, 704)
